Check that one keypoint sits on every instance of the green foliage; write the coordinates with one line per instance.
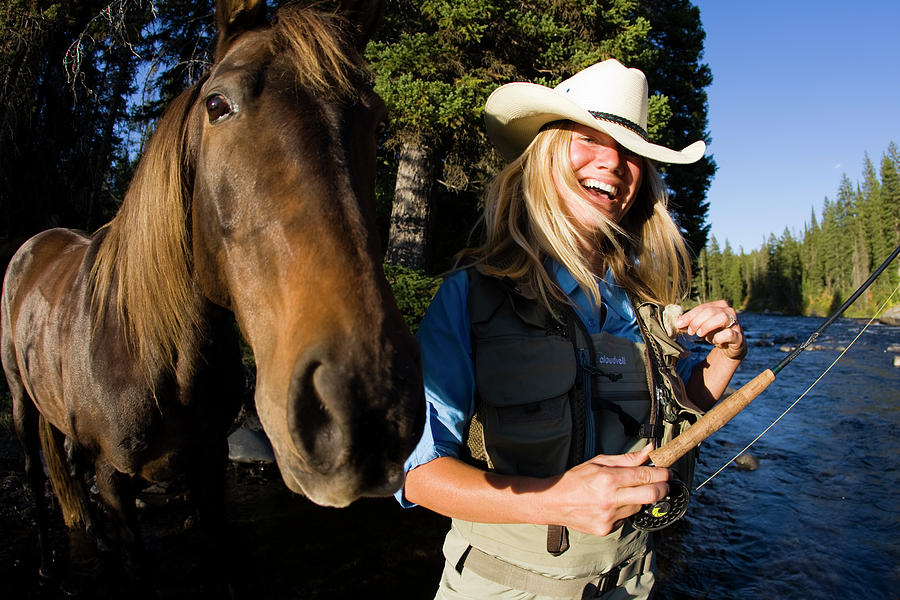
(413, 290)
(814, 273)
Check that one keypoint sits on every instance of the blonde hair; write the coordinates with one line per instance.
(526, 219)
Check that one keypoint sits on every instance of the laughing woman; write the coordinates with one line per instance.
(550, 369)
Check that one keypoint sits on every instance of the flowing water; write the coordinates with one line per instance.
(820, 517)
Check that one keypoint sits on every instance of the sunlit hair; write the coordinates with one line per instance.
(526, 219)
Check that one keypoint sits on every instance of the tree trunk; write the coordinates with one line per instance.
(411, 212)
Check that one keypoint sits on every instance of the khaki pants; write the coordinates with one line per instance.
(467, 585)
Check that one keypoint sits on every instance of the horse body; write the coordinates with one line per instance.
(80, 375)
(253, 202)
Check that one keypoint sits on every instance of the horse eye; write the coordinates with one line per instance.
(217, 107)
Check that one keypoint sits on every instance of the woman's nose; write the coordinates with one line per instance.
(611, 157)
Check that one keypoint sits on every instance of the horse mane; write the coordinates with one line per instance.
(144, 261)
(144, 258)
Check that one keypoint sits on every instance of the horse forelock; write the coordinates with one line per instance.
(319, 48)
(143, 263)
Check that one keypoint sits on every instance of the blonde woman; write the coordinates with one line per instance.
(550, 368)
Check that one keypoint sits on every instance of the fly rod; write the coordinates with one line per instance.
(670, 509)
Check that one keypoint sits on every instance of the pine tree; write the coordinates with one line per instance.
(732, 278)
(715, 276)
(677, 73)
(890, 213)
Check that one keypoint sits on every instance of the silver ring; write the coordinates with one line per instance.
(731, 322)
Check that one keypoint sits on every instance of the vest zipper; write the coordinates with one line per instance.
(590, 434)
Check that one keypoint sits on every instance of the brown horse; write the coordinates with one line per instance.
(253, 202)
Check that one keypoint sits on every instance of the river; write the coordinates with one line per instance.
(820, 517)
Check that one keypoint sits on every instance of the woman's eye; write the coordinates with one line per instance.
(217, 107)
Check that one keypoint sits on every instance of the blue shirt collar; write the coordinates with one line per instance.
(568, 284)
(562, 276)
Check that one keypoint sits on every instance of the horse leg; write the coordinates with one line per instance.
(61, 457)
(75, 459)
(119, 495)
(25, 420)
(206, 484)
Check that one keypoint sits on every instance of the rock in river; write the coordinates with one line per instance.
(746, 462)
(891, 316)
(247, 445)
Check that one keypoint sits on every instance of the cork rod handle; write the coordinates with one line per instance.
(667, 454)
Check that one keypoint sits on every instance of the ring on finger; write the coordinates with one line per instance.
(731, 322)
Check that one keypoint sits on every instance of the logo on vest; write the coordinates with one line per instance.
(611, 360)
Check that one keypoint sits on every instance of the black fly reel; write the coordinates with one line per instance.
(661, 514)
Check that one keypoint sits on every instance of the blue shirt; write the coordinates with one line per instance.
(449, 374)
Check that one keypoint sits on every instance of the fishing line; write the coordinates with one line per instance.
(756, 439)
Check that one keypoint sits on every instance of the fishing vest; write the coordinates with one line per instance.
(549, 395)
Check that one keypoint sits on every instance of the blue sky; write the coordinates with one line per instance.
(801, 91)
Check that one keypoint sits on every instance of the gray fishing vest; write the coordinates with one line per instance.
(536, 376)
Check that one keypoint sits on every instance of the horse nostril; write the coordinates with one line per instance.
(318, 437)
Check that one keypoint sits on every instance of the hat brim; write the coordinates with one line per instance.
(515, 113)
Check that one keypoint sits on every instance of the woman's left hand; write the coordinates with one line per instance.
(717, 323)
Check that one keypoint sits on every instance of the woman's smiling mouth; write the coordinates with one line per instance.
(598, 187)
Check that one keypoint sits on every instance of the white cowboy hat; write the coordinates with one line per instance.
(606, 96)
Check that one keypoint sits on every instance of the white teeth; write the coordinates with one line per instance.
(599, 186)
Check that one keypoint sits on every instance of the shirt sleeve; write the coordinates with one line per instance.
(685, 366)
(445, 343)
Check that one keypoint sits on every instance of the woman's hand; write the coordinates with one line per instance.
(596, 496)
(717, 323)
(593, 497)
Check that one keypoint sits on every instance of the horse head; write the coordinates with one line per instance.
(281, 141)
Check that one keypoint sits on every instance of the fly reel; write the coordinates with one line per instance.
(662, 513)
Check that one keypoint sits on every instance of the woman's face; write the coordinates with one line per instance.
(609, 174)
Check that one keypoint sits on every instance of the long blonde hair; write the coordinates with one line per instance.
(526, 219)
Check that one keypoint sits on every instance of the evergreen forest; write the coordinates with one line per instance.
(812, 272)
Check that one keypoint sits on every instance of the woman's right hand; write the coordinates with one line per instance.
(597, 495)
(593, 497)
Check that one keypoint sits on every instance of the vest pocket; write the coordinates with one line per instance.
(524, 408)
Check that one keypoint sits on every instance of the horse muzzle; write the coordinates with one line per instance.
(348, 425)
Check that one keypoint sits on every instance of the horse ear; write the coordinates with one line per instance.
(234, 17)
(365, 14)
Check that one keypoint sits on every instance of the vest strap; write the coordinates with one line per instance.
(513, 576)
